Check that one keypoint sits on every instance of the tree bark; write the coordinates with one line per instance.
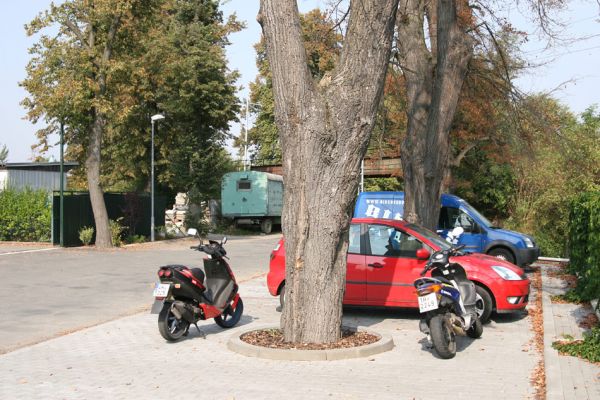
(434, 79)
(324, 131)
(92, 165)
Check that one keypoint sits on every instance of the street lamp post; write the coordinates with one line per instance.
(246, 136)
(153, 119)
(62, 185)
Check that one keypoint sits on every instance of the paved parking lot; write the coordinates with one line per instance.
(87, 311)
(54, 291)
(127, 358)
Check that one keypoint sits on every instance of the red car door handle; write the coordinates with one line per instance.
(376, 265)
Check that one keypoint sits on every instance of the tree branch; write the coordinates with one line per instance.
(459, 157)
(114, 26)
(77, 32)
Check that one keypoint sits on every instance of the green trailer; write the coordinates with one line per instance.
(252, 197)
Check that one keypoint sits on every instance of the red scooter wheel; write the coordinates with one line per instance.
(231, 316)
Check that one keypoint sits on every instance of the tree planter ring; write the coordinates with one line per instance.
(235, 344)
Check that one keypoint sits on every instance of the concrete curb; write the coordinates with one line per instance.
(235, 344)
(554, 386)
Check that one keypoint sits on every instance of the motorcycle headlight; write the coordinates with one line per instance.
(528, 242)
(506, 273)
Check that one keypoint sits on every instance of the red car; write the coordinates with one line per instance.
(386, 256)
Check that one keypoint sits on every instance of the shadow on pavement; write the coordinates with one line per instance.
(509, 318)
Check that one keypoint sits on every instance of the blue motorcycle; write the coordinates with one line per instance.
(448, 301)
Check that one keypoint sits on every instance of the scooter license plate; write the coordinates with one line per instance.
(161, 290)
(428, 302)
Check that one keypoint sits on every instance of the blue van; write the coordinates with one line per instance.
(480, 236)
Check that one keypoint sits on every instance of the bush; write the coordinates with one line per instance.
(135, 239)
(588, 348)
(584, 243)
(116, 230)
(25, 215)
(86, 234)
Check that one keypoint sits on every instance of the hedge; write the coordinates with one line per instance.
(584, 243)
(25, 215)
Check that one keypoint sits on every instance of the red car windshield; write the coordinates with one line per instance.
(432, 237)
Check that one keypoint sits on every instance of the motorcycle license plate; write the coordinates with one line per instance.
(428, 302)
(161, 290)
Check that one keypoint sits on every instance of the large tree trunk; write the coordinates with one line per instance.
(324, 131)
(92, 162)
(92, 165)
(433, 80)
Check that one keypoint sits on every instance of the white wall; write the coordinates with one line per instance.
(3, 178)
(48, 180)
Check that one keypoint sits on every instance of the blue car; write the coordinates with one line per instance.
(480, 236)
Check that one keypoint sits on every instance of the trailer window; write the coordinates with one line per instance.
(244, 184)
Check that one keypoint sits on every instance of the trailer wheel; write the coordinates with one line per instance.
(266, 226)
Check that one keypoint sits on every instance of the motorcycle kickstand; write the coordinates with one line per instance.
(429, 342)
(199, 331)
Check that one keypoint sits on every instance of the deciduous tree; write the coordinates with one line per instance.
(324, 126)
(78, 75)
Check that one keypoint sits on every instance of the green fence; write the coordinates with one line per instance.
(133, 208)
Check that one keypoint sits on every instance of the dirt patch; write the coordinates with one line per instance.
(538, 377)
(589, 321)
(273, 338)
(560, 273)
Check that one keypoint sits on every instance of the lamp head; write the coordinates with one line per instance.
(157, 117)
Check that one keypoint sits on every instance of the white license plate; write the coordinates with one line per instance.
(161, 290)
(428, 303)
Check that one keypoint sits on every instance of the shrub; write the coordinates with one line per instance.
(588, 348)
(584, 243)
(116, 230)
(86, 234)
(25, 215)
(135, 239)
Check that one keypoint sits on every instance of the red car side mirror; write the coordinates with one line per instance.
(423, 254)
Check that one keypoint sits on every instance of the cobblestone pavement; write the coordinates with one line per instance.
(567, 377)
(128, 359)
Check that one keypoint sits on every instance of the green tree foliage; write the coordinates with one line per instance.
(183, 74)
(486, 183)
(168, 57)
(322, 45)
(561, 161)
(25, 215)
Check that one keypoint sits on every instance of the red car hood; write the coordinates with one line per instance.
(478, 260)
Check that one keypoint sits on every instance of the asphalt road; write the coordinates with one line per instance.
(53, 291)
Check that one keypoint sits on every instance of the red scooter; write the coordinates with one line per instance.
(185, 295)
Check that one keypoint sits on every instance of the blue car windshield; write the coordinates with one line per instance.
(470, 210)
(432, 237)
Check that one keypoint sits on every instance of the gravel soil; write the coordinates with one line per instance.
(273, 338)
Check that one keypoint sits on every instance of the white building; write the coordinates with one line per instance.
(44, 175)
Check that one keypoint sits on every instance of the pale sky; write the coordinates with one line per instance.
(573, 69)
